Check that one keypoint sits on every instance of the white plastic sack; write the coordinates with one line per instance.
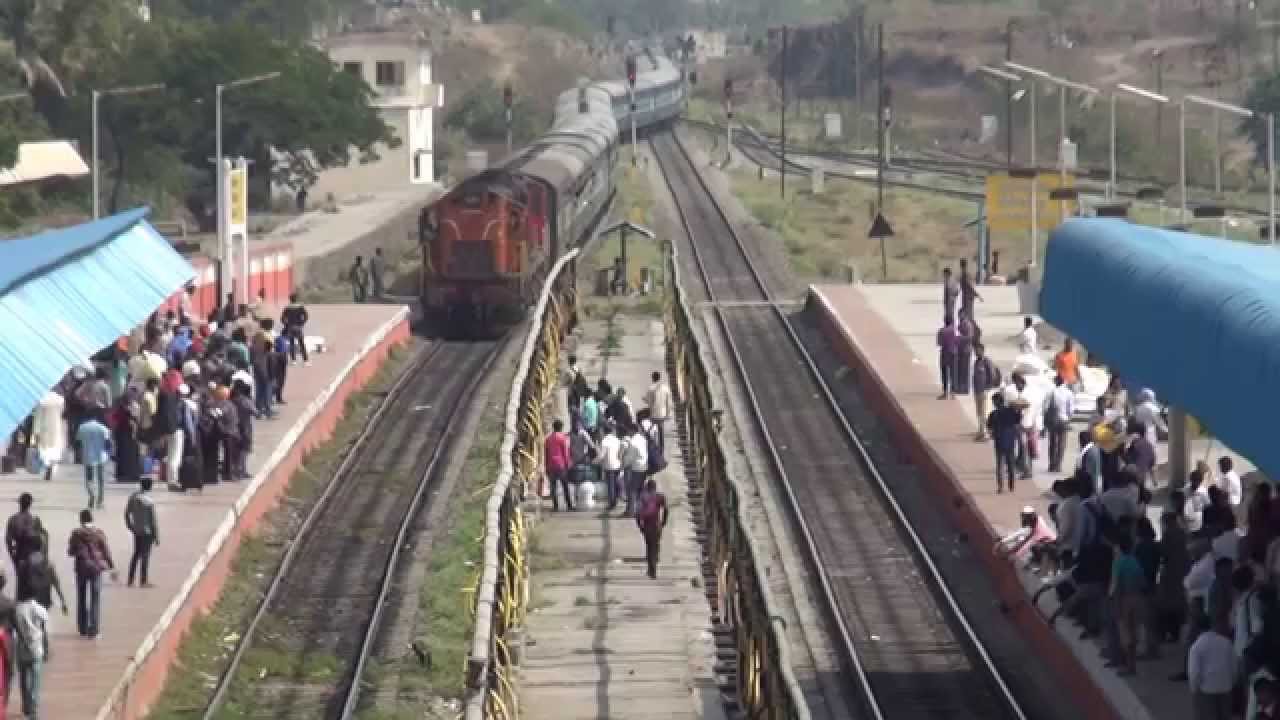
(586, 495)
(1030, 365)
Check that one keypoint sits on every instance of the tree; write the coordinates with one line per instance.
(482, 116)
(1263, 98)
(313, 116)
(9, 142)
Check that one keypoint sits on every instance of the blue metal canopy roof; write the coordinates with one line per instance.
(1195, 318)
(66, 294)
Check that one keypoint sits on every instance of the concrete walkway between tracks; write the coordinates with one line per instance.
(604, 641)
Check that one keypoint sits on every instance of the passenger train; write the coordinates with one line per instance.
(488, 244)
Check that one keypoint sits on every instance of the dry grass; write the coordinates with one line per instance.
(823, 234)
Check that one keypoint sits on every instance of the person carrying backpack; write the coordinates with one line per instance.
(41, 579)
(651, 518)
(653, 436)
(88, 548)
(986, 377)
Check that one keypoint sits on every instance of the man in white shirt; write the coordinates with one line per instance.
(1027, 339)
(31, 625)
(635, 461)
(1211, 672)
(1022, 396)
(1229, 481)
(1058, 420)
(1247, 612)
(611, 462)
(658, 400)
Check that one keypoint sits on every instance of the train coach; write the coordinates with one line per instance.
(488, 244)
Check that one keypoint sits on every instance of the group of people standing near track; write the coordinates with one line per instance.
(612, 446)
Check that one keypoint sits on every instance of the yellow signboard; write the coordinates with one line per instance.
(1009, 202)
(239, 192)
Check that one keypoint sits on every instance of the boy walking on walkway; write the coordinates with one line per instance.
(95, 439)
(658, 398)
(651, 518)
(88, 548)
(140, 518)
(32, 630)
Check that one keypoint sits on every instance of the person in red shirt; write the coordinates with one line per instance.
(651, 518)
(559, 462)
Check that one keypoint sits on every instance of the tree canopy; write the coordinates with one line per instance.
(1263, 98)
(313, 116)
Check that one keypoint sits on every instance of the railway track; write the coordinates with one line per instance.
(305, 651)
(948, 166)
(908, 650)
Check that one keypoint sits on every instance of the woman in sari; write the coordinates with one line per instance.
(191, 476)
(6, 665)
(969, 334)
(127, 425)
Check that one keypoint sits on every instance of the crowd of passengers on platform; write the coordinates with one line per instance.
(176, 399)
(1205, 584)
(612, 446)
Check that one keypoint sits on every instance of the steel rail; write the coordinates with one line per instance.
(849, 653)
(920, 553)
(456, 414)
(424, 357)
(951, 165)
(419, 366)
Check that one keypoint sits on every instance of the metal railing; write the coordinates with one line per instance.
(767, 688)
(502, 591)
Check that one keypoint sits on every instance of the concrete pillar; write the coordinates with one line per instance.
(1179, 448)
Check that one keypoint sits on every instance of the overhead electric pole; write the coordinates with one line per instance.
(1008, 98)
(782, 82)
(880, 118)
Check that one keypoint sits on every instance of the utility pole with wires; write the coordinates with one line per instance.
(1008, 97)
(1158, 56)
(880, 113)
(782, 82)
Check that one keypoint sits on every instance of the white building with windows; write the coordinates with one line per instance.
(397, 65)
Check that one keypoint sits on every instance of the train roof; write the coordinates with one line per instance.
(662, 73)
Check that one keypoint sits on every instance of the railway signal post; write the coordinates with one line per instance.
(728, 126)
(631, 96)
(507, 97)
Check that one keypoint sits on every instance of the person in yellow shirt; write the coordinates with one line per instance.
(1067, 365)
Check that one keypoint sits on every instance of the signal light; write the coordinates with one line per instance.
(693, 77)
(728, 88)
(631, 71)
(507, 95)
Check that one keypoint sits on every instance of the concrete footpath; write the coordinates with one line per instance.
(118, 675)
(605, 641)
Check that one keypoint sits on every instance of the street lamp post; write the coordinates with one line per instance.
(1035, 169)
(1137, 92)
(224, 251)
(1271, 178)
(1216, 105)
(97, 96)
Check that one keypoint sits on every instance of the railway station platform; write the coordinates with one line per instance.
(603, 640)
(119, 674)
(886, 336)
